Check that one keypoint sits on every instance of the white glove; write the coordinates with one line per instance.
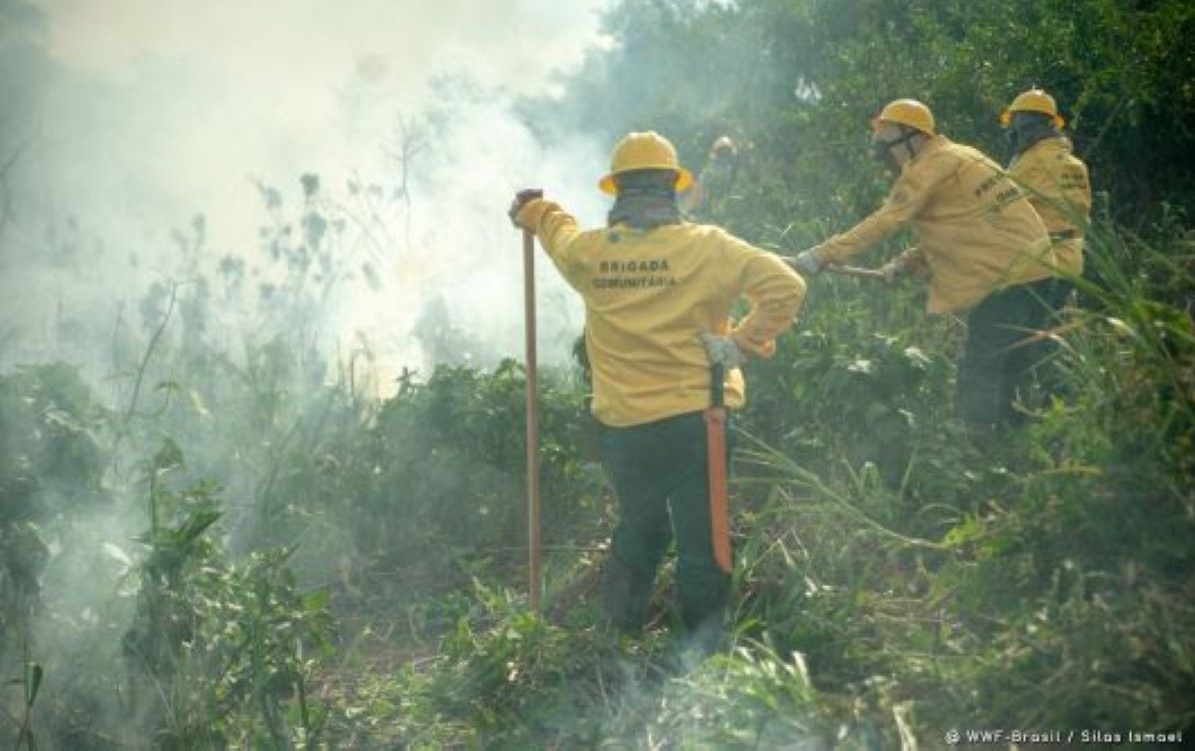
(722, 350)
(806, 263)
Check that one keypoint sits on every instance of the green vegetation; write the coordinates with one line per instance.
(317, 568)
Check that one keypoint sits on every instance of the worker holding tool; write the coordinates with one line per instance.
(1054, 180)
(658, 293)
(983, 246)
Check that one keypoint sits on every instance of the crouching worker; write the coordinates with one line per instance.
(983, 246)
(658, 293)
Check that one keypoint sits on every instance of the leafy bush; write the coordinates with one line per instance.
(215, 648)
(439, 475)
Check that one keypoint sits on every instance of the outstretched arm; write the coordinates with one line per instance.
(556, 229)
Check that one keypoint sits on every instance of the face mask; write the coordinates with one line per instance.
(882, 150)
(1027, 129)
(1013, 138)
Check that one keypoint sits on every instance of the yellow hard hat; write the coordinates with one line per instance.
(908, 112)
(1033, 100)
(648, 150)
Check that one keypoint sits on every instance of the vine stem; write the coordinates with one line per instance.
(149, 351)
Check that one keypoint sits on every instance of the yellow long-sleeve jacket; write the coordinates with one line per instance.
(976, 232)
(649, 294)
(1057, 185)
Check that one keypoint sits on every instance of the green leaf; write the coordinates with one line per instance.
(168, 458)
(195, 525)
(117, 554)
(33, 678)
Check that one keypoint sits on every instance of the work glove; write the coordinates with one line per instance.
(908, 263)
(522, 198)
(806, 263)
(722, 350)
(892, 271)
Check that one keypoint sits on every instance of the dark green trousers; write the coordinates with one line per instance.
(997, 364)
(1051, 379)
(660, 472)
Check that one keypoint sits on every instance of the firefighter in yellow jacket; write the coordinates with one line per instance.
(1053, 178)
(658, 292)
(982, 244)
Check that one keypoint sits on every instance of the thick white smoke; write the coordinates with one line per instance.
(146, 113)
